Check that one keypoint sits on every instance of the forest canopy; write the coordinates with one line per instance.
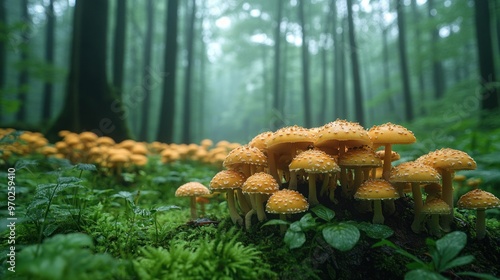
(182, 71)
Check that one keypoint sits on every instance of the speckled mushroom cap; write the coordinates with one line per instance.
(436, 206)
(286, 202)
(296, 136)
(118, 157)
(374, 189)
(390, 133)
(478, 199)
(414, 172)
(341, 130)
(260, 182)
(314, 161)
(245, 155)
(449, 159)
(260, 140)
(192, 189)
(394, 155)
(358, 157)
(227, 179)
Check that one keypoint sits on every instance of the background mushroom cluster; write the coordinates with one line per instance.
(291, 168)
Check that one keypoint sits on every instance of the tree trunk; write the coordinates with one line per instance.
(3, 64)
(489, 94)
(90, 103)
(167, 115)
(305, 68)
(49, 58)
(342, 93)
(119, 46)
(438, 78)
(276, 121)
(358, 96)
(404, 62)
(418, 61)
(387, 73)
(186, 127)
(23, 76)
(146, 72)
(322, 118)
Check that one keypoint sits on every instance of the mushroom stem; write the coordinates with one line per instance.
(325, 185)
(194, 215)
(259, 207)
(313, 198)
(434, 227)
(235, 217)
(273, 170)
(248, 219)
(283, 227)
(416, 226)
(480, 223)
(292, 184)
(378, 217)
(358, 179)
(448, 198)
(332, 185)
(387, 162)
(243, 201)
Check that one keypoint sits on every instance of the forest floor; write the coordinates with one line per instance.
(76, 221)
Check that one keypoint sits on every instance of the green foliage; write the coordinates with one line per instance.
(221, 258)
(342, 236)
(444, 256)
(65, 256)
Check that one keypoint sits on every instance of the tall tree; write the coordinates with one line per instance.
(324, 67)
(146, 71)
(119, 45)
(438, 78)
(90, 103)
(186, 127)
(418, 61)
(358, 96)
(3, 64)
(305, 68)
(489, 98)
(23, 76)
(167, 114)
(49, 58)
(386, 71)
(403, 61)
(277, 67)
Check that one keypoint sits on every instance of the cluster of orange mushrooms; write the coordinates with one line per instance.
(267, 175)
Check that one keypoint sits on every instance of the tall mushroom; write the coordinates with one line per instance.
(192, 190)
(415, 173)
(446, 161)
(285, 202)
(258, 185)
(361, 160)
(480, 201)
(227, 181)
(386, 135)
(313, 162)
(435, 207)
(376, 190)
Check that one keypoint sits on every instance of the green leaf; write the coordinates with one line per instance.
(274, 222)
(294, 239)
(478, 275)
(385, 242)
(307, 222)
(25, 163)
(166, 208)
(448, 247)
(375, 231)
(295, 226)
(341, 236)
(86, 167)
(323, 212)
(458, 262)
(420, 274)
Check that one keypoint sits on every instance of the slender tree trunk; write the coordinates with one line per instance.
(283, 80)
(324, 69)
(119, 46)
(136, 95)
(186, 131)
(342, 93)
(438, 78)
(49, 58)
(338, 55)
(418, 61)
(276, 122)
(167, 115)
(489, 98)
(387, 72)
(3, 64)
(23, 76)
(90, 103)
(305, 68)
(369, 92)
(358, 96)
(202, 77)
(146, 72)
(404, 62)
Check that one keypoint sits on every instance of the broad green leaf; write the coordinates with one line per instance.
(295, 226)
(375, 231)
(448, 247)
(166, 208)
(307, 222)
(323, 212)
(274, 222)
(483, 276)
(341, 236)
(294, 239)
(420, 274)
(458, 262)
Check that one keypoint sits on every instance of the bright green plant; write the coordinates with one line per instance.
(444, 253)
(340, 235)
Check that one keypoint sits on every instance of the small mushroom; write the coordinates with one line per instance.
(258, 185)
(376, 190)
(229, 181)
(435, 207)
(285, 202)
(192, 190)
(479, 200)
